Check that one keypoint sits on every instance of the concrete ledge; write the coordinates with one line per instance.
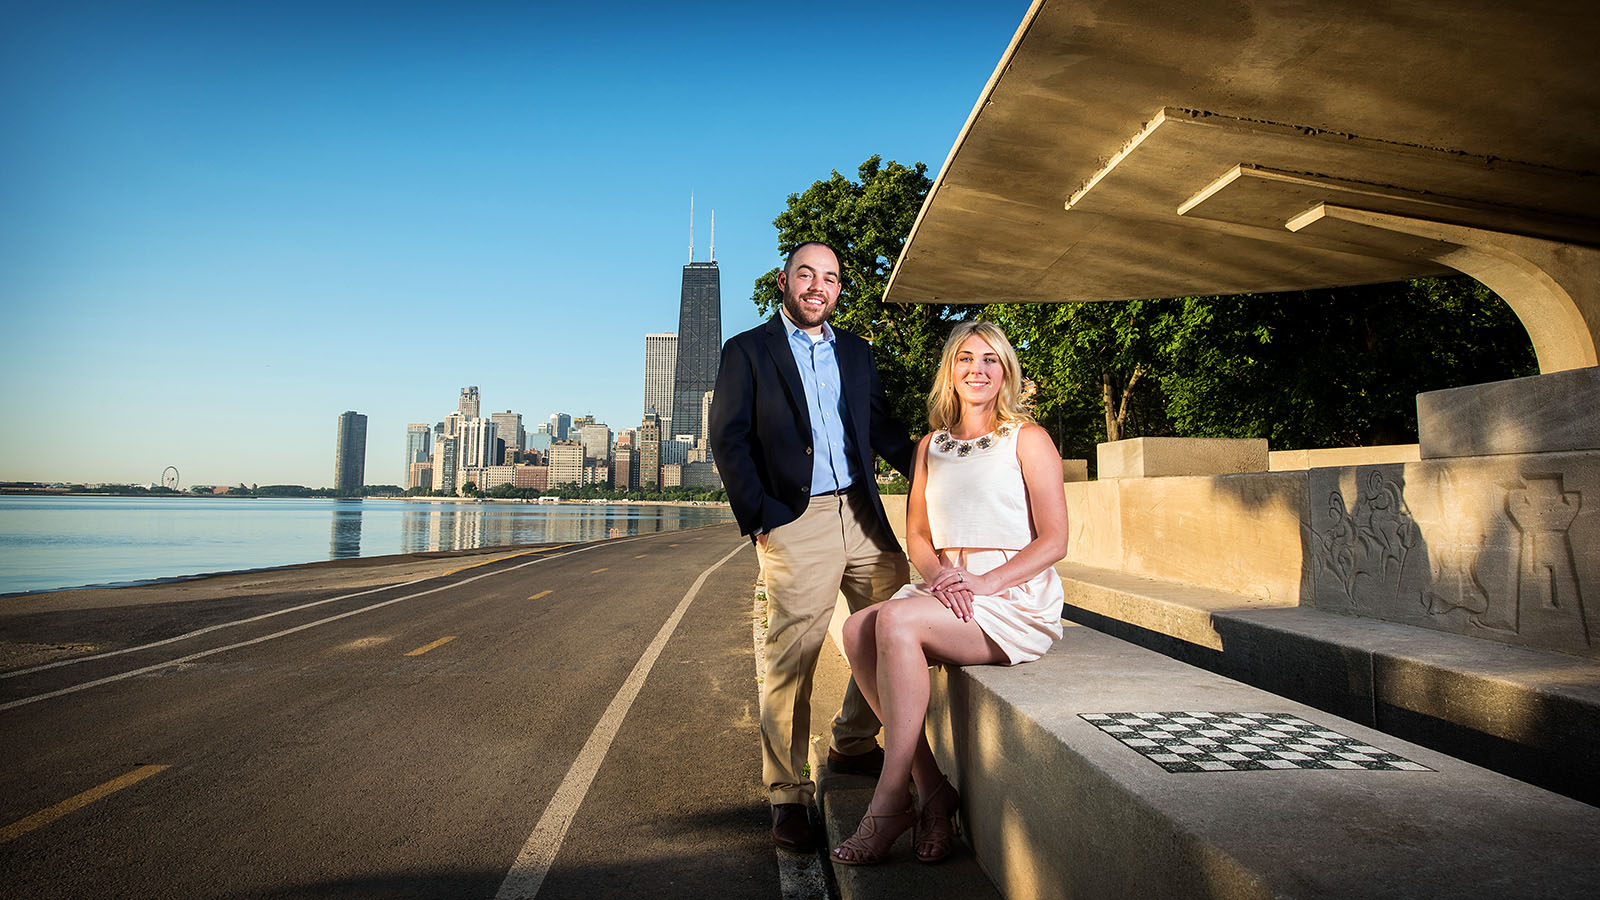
(1055, 808)
(1147, 457)
(1547, 413)
(1324, 457)
(1531, 714)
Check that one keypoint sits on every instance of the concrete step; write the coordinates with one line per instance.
(1531, 714)
(842, 801)
(1054, 806)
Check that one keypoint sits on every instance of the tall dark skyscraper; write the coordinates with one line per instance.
(350, 463)
(699, 344)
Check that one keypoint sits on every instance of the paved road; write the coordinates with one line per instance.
(418, 740)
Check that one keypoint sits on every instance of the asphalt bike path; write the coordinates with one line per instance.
(411, 741)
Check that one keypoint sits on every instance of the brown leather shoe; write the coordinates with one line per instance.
(869, 763)
(791, 827)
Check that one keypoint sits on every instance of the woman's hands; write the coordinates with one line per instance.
(955, 587)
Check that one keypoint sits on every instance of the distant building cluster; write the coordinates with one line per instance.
(669, 447)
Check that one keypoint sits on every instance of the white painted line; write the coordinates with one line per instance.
(288, 631)
(200, 631)
(533, 863)
(221, 625)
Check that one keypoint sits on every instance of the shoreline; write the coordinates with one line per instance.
(554, 501)
(131, 543)
(45, 492)
(424, 558)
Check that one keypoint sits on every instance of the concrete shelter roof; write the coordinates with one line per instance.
(1126, 149)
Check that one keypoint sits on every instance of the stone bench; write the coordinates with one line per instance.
(1531, 714)
(1056, 807)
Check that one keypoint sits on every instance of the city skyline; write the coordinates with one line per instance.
(225, 224)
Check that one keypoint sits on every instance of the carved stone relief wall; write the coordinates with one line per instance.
(1505, 548)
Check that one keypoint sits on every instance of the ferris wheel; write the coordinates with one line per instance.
(169, 477)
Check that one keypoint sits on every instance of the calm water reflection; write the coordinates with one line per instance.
(346, 541)
(440, 526)
(55, 542)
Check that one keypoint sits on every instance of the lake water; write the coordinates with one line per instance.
(55, 542)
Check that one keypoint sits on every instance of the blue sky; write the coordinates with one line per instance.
(222, 224)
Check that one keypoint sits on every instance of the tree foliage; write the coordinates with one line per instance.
(1322, 368)
(1334, 367)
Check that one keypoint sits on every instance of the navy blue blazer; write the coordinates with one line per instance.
(761, 429)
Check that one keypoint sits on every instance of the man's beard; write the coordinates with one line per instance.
(800, 316)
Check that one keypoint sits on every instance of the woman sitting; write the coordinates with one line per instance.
(987, 519)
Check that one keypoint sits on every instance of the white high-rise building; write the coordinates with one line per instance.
(477, 444)
(660, 365)
(452, 425)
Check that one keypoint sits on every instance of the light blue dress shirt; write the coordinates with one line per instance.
(819, 374)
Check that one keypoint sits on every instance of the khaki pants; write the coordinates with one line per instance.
(835, 546)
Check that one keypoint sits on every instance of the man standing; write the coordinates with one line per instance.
(797, 415)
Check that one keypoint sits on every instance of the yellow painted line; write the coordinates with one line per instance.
(541, 594)
(599, 570)
(641, 556)
(72, 804)
(426, 647)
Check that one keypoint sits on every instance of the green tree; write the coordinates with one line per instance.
(1334, 367)
(1324, 368)
(867, 222)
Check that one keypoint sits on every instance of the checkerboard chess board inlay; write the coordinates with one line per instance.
(1243, 742)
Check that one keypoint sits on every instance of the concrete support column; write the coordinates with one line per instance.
(1553, 286)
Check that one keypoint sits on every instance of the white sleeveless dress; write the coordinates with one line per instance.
(978, 514)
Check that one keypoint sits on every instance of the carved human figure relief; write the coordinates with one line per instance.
(1547, 575)
(1336, 545)
(1366, 549)
(1387, 531)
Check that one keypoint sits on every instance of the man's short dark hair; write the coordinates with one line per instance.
(788, 261)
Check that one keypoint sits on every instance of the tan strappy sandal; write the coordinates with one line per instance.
(936, 832)
(871, 842)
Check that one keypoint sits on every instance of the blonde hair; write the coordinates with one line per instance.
(944, 409)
